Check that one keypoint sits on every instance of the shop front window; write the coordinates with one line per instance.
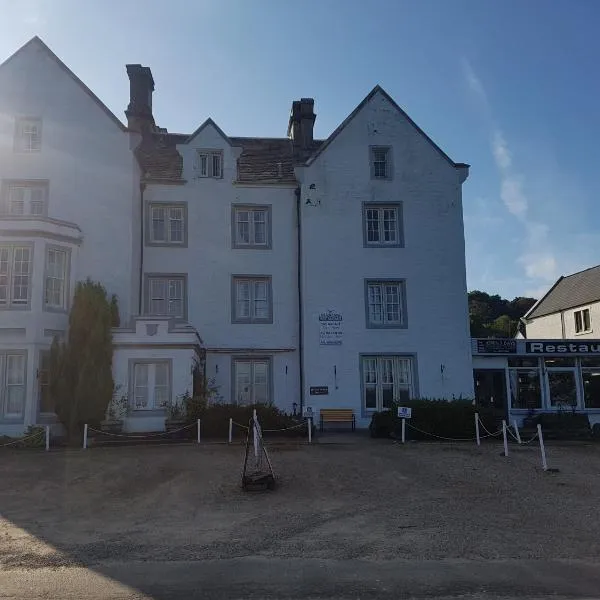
(562, 388)
(590, 374)
(525, 383)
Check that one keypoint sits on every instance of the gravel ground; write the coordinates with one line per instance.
(370, 500)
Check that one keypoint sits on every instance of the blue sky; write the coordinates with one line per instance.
(510, 87)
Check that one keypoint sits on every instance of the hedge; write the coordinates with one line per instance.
(445, 418)
(215, 420)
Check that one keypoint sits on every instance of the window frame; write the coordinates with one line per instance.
(149, 277)
(150, 206)
(580, 312)
(401, 283)
(67, 279)
(389, 164)
(252, 245)
(150, 410)
(4, 354)
(262, 358)
(209, 155)
(18, 145)
(252, 279)
(380, 356)
(399, 208)
(7, 184)
(9, 304)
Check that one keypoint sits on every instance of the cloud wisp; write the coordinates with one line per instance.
(537, 260)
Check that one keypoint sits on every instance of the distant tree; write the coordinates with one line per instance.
(80, 370)
(493, 316)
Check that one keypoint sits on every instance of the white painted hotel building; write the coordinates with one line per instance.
(294, 265)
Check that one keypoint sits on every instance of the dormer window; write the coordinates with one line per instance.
(210, 163)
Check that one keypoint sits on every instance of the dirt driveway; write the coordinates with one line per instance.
(370, 500)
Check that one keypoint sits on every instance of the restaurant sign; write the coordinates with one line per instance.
(558, 347)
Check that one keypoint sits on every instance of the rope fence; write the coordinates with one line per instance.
(21, 440)
(142, 436)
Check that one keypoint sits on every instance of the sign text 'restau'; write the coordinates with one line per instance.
(563, 348)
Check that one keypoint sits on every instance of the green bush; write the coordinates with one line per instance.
(445, 418)
(215, 420)
(561, 424)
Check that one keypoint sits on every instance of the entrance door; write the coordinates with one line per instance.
(490, 389)
(562, 388)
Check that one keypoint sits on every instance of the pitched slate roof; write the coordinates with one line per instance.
(262, 160)
(568, 292)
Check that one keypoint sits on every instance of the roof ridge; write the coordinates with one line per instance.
(582, 271)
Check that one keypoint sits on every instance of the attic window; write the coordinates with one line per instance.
(210, 164)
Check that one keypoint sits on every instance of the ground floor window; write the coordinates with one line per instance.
(251, 381)
(151, 385)
(12, 380)
(525, 383)
(46, 405)
(590, 375)
(385, 380)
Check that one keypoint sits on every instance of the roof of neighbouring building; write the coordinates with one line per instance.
(568, 292)
(262, 160)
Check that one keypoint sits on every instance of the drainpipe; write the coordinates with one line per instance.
(141, 277)
(300, 306)
(562, 323)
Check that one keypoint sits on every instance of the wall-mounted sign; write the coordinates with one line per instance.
(404, 412)
(319, 390)
(497, 346)
(330, 328)
(560, 347)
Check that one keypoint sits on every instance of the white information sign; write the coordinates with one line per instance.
(331, 329)
(404, 412)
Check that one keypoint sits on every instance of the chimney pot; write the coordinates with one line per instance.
(141, 86)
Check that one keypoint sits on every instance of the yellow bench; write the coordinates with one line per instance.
(337, 415)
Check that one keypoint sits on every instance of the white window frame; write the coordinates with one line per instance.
(580, 320)
(245, 397)
(207, 161)
(24, 198)
(381, 290)
(251, 280)
(5, 358)
(154, 400)
(61, 282)
(395, 373)
(251, 210)
(376, 163)
(170, 282)
(11, 276)
(381, 209)
(28, 134)
(169, 210)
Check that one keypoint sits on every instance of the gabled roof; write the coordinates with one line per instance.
(36, 41)
(569, 292)
(379, 90)
(206, 123)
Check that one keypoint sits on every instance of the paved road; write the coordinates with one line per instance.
(265, 578)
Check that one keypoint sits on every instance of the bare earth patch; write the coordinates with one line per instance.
(369, 500)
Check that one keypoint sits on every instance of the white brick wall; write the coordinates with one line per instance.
(432, 261)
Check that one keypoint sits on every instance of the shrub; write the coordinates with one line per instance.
(215, 420)
(80, 374)
(445, 418)
(561, 424)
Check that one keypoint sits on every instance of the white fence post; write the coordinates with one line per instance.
(517, 431)
(403, 430)
(230, 429)
(198, 430)
(47, 438)
(477, 429)
(542, 448)
(505, 438)
(309, 421)
(85, 428)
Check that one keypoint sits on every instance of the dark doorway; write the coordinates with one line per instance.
(490, 390)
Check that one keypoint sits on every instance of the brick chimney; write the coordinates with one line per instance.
(301, 123)
(139, 111)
